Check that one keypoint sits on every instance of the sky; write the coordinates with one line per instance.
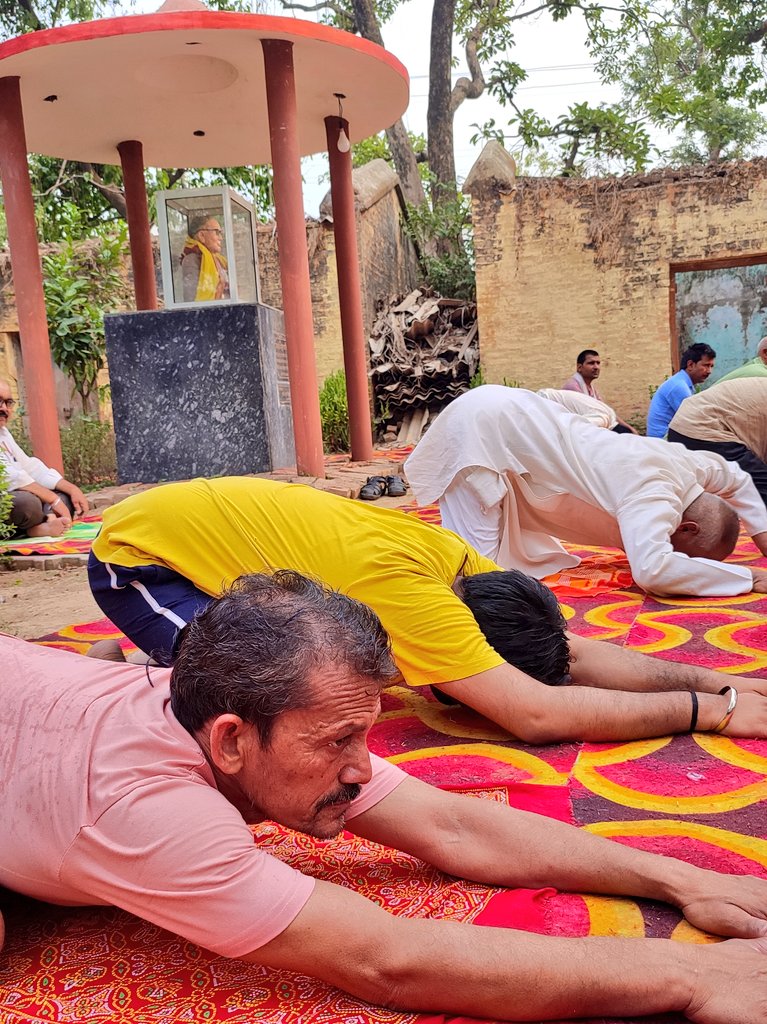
(554, 54)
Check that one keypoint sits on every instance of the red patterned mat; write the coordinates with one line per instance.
(699, 798)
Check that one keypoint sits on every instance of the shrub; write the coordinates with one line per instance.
(442, 234)
(88, 449)
(334, 413)
(6, 503)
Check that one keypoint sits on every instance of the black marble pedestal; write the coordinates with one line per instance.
(199, 391)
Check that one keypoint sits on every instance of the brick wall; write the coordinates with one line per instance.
(564, 265)
(388, 267)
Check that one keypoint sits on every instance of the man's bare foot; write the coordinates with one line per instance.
(52, 526)
(106, 650)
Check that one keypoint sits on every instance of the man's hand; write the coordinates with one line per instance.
(760, 581)
(727, 905)
(730, 986)
(79, 501)
(745, 685)
(750, 717)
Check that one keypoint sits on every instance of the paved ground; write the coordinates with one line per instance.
(33, 603)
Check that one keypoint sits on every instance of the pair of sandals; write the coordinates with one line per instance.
(377, 486)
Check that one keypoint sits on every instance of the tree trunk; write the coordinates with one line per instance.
(439, 118)
(399, 144)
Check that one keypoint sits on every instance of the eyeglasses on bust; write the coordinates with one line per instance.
(8, 402)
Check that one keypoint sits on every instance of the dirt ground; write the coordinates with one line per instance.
(33, 603)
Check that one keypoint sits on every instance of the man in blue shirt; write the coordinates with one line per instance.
(697, 362)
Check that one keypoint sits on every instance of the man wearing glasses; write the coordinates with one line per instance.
(204, 268)
(44, 503)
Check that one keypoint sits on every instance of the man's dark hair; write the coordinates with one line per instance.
(253, 652)
(694, 353)
(521, 620)
(581, 358)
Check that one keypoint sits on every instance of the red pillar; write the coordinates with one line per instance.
(132, 160)
(349, 292)
(27, 277)
(294, 260)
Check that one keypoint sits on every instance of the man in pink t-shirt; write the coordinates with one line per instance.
(135, 788)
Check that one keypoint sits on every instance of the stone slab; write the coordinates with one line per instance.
(199, 391)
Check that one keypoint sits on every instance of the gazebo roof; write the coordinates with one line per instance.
(189, 85)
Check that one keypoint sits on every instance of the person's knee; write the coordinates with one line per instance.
(27, 510)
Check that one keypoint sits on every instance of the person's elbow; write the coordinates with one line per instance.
(540, 726)
(657, 581)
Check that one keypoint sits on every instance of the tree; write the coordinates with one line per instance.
(694, 66)
(82, 281)
(77, 199)
(586, 140)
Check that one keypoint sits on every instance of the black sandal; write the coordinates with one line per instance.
(373, 488)
(396, 486)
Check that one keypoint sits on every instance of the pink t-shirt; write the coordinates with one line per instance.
(107, 799)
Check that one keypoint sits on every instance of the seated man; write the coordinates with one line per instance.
(515, 474)
(731, 420)
(43, 501)
(455, 620)
(139, 791)
(756, 367)
(696, 363)
(588, 367)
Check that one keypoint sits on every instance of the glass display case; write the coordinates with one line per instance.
(207, 246)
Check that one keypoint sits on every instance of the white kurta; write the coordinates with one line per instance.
(22, 469)
(513, 472)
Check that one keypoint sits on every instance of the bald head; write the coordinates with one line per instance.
(709, 529)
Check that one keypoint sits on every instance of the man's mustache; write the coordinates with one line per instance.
(344, 794)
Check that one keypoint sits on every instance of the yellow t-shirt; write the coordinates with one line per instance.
(212, 531)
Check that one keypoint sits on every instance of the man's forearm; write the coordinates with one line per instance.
(601, 664)
(485, 972)
(540, 714)
(498, 845)
(760, 539)
(45, 494)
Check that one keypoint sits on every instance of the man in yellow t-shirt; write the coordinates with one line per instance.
(484, 637)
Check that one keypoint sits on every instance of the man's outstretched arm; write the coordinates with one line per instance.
(602, 664)
(538, 714)
(499, 845)
(422, 965)
(509, 975)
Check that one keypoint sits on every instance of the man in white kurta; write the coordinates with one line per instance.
(514, 474)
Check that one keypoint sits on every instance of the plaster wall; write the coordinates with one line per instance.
(564, 265)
